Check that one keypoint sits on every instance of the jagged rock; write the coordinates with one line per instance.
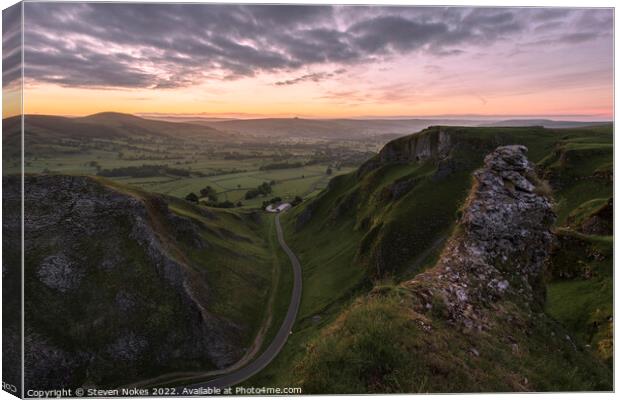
(127, 347)
(58, 272)
(345, 204)
(400, 188)
(601, 222)
(305, 216)
(125, 301)
(49, 366)
(445, 168)
(501, 247)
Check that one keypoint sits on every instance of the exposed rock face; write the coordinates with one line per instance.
(399, 188)
(431, 143)
(57, 272)
(501, 247)
(104, 284)
(419, 148)
(345, 204)
(305, 216)
(601, 222)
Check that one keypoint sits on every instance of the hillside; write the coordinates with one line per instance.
(132, 124)
(358, 128)
(46, 129)
(98, 253)
(390, 220)
(472, 323)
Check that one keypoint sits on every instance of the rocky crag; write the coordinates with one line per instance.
(500, 248)
(474, 321)
(108, 297)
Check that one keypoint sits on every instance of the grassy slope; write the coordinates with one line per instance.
(581, 292)
(380, 345)
(275, 307)
(239, 263)
(580, 170)
(339, 249)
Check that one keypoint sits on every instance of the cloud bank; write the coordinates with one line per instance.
(163, 46)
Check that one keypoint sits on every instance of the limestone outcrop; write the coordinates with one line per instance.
(499, 248)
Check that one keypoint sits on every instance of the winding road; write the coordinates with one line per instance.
(279, 340)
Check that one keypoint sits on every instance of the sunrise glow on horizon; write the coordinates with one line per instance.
(318, 61)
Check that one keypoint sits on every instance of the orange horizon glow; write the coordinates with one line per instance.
(318, 62)
(572, 103)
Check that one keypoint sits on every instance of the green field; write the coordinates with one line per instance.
(231, 169)
(232, 187)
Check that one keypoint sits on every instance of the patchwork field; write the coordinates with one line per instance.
(180, 164)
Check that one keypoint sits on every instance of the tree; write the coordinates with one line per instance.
(262, 190)
(95, 164)
(296, 200)
(209, 193)
(192, 197)
(265, 188)
(239, 204)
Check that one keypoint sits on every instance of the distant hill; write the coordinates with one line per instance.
(329, 128)
(547, 123)
(184, 118)
(109, 125)
(352, 128)
(106, 125)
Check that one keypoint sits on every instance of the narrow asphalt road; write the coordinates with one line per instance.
(279, 340)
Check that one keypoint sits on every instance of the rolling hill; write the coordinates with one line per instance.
(546, 123)
(356, 128)
(131, 124)
(326, 128)
(110, 126)
(373, 230)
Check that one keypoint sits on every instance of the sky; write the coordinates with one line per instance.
(317, 61)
